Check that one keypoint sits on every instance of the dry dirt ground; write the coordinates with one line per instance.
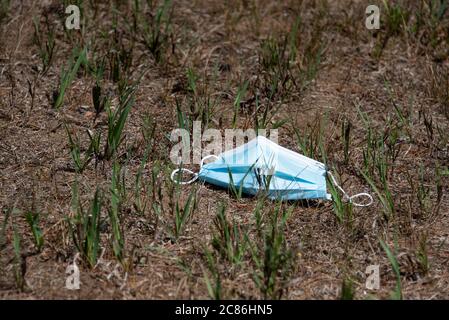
(341, 87)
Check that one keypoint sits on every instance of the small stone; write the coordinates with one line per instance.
(89, 114)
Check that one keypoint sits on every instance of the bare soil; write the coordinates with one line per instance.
(221, 41)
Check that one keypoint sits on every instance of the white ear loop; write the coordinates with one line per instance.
(206, 158)
(351, 198)
(195, 174)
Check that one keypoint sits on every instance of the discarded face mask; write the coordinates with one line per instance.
(262, 165)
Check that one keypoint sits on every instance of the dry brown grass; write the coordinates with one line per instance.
(222, 43)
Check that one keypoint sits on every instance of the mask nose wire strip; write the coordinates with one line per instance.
(195, 174)
(351, 198)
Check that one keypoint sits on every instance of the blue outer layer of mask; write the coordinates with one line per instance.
(263, 165)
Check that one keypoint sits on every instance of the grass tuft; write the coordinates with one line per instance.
(33, 222)
(274, 260)
(68, 74)
(84, 226)
(228, 239)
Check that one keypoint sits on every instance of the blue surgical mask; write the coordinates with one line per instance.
(263, 166)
